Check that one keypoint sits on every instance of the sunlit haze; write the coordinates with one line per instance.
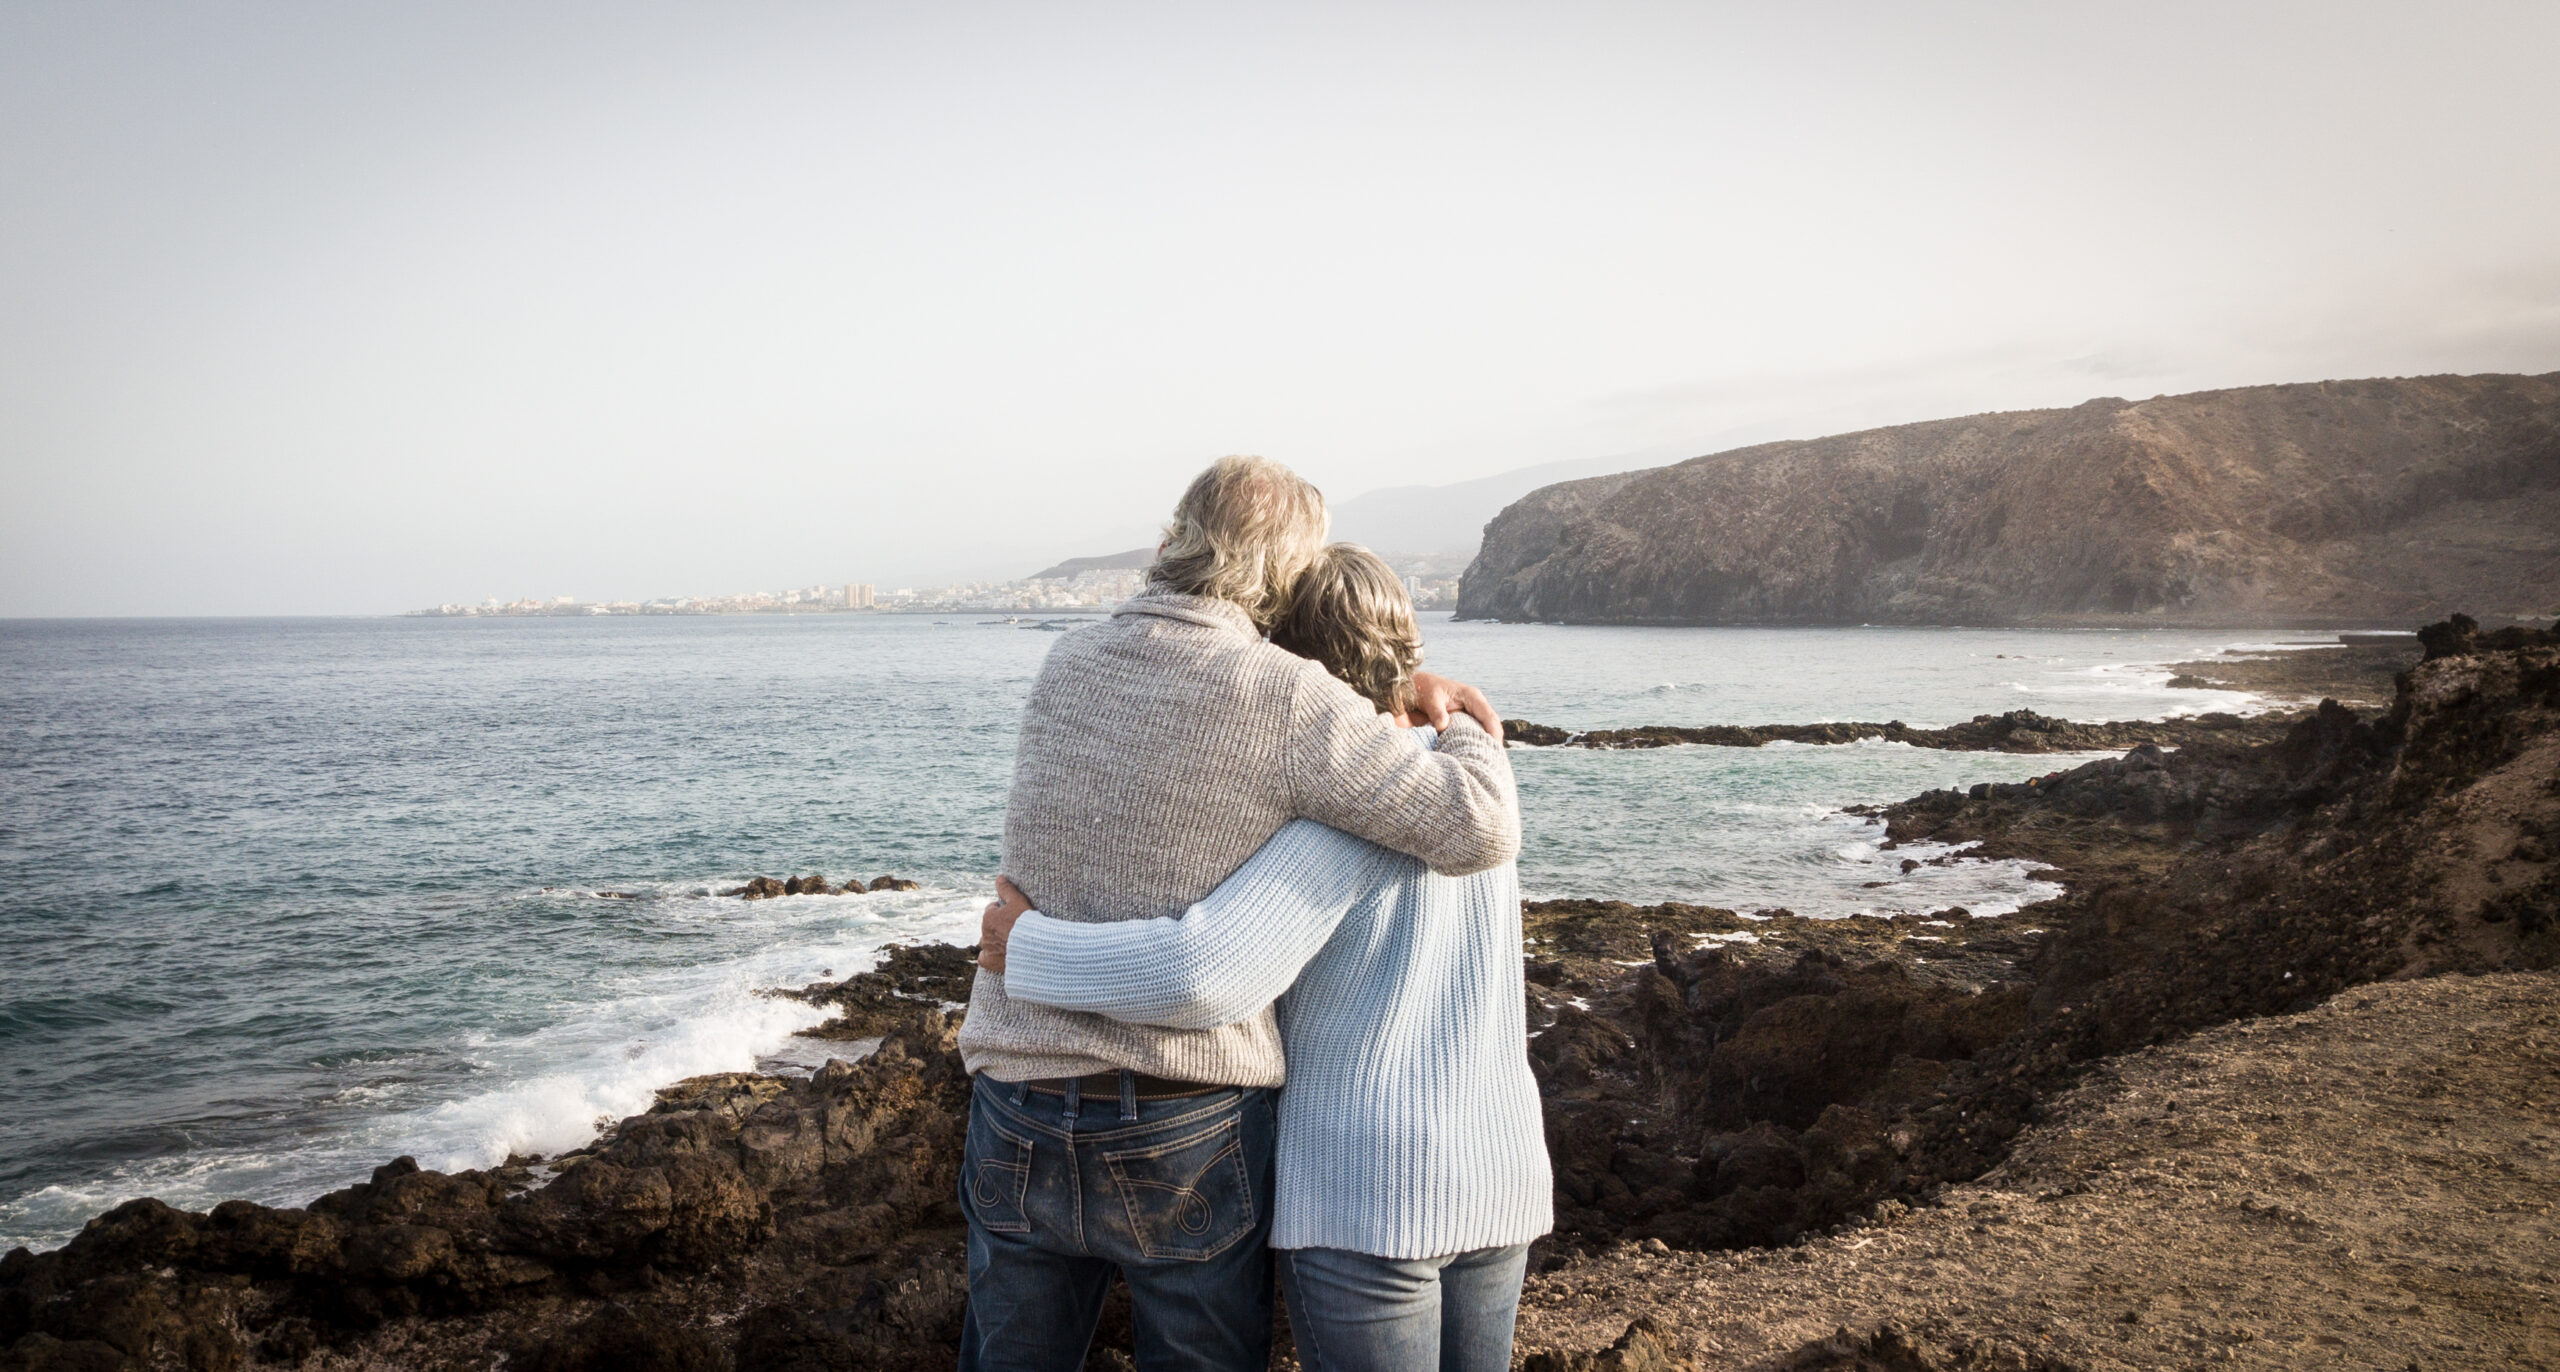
(333, 308)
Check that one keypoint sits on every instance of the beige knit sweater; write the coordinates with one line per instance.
(1158, 751)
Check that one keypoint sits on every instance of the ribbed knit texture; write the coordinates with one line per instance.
(1410, 1125)
(1158, 751)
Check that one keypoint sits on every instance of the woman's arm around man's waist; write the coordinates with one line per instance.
(1223, 959)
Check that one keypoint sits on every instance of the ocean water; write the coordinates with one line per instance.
(282, 899)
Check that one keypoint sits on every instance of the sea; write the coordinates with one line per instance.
(283, 899)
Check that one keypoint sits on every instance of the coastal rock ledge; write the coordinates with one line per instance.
(755, 1204)
(2272, 1085)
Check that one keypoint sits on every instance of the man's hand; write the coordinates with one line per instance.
(1436, 695)
(996, 925)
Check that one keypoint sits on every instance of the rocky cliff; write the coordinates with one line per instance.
(2341, 502)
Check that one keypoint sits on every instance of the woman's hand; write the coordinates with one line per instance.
(996, 925)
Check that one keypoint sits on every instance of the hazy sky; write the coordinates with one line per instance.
(358, 307)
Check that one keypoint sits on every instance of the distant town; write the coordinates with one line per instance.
(1091, 590)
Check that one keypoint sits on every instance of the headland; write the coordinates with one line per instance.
(2337, 504)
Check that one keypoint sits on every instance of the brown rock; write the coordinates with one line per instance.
(42, 1352)
(734, 1095)
(909, 978)
(2013, 731)
(1890, 1349)
(1521, 731)
(253, 1238)
(618, 1338)
(396, 1253)
(1645, 1347)
(782, 1145)
(838, 1188)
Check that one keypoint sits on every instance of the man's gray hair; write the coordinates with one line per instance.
(1244, 532)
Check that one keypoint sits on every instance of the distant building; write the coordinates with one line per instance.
(1413, 587)
(859, 595)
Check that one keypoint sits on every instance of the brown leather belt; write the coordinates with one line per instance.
(1106, 1086)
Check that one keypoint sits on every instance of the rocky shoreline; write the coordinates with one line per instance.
(2356, 670)
(1817, 1091)
(769, 888)
(1929, 1142)
(2014, 731)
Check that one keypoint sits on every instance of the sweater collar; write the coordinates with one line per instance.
(1206, 611)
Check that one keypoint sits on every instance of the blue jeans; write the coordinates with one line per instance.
(1353, 1312)
(1175, 1194)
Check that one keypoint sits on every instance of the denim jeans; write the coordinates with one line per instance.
(1175, 1194)
(1352, 1312)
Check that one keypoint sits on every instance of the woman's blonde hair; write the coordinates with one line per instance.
(1243, 532)
(1351, 613)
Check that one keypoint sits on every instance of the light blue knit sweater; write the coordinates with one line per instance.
(1410, 1125)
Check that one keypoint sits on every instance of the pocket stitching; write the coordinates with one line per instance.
(1232, 1155)
(1021, 1170)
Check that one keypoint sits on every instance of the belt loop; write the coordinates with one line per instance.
(1021, 1090)
(1075, 1098)
(1128, 1094)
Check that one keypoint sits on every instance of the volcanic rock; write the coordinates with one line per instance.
(1521, 731)
(1817, 1068)
(618, 1338)
(1942, 1131)
(2012, 731)
(909, 978)
(766, 888)
(826, 1194)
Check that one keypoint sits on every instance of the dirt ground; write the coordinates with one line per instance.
(2368, 1184)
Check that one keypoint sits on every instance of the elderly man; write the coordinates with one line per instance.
(1158, 752)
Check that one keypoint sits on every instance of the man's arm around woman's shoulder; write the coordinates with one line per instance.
(1453, 806)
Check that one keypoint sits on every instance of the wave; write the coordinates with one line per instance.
(547, 1088)
(1944, 877)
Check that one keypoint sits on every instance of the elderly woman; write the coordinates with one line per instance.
(1412, 1165)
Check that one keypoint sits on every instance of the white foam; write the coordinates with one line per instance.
(550, 1089)
(616, 1074)
(1945, 876)
(608, 1060)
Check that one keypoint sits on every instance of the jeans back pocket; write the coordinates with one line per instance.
(995, 1174)
(1188, 1199)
